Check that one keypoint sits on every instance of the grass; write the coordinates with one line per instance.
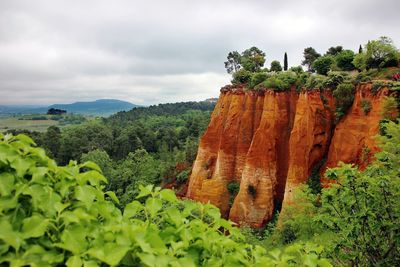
(9, 123)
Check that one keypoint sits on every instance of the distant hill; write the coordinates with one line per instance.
(101, 107)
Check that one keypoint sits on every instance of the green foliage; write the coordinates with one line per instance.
(257, 78)
(281, 81)
(364, 209)
(53, 215)
(366, 106)
(389, 109)
(297, 69)
(333, 51)
(381, 53)
(344, 60)
(359, 61)
(314, 180)
(323, 64)
(344, 97)
(253, 59)
(233, 189)
(276, 66)
(233, 63)
(241, 76)
(316, 82)
(183, 176)
(310, 55)
(285, 62)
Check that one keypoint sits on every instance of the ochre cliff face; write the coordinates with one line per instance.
(223, 148)
(264, 174)
(309, 139)
(353, 140)
(269, 142)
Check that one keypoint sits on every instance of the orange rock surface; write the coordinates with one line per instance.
(269, 142)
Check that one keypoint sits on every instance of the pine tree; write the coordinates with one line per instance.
(360, 49)
(285, 62)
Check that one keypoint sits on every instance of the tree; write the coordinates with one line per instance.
(276, 66)
(333, 51)
(344, 97)
(381, 53)
(232, 65)
(360, 50)
(253, 59)
(257, 78)
(323, 64)
(344, 60)
(241, 76)
(310, 55)
(362, 208)
(285, 62)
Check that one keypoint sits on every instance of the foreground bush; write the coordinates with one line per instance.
(51, 215)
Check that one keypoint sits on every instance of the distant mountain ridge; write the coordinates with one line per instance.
(100, 107)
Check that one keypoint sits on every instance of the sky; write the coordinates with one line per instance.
(150, 52)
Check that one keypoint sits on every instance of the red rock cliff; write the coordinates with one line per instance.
(270, 141)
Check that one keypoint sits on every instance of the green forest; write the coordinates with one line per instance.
(110, 191)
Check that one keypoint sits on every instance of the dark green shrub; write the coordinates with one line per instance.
(241, 76)
(334, 79)
(257, 78)
(323, 64)
(366, 106)
(344, 97)
(315, 81)
(276, 66)
(344, 60)
(233, 189)
(183, 176)
(297, 69)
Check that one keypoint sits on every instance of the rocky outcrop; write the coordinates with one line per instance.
(269, 142)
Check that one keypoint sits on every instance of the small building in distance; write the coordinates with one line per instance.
(56, 111)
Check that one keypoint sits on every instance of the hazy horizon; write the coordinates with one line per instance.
(164, 51)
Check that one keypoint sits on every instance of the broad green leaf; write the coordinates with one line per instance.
(132, 209)
(112, 196)
(6, 184)
(153, 205)
(91, 165)
(74, 261)
(109, 253)
(34, 226)
(74, 240)
(9, 236)
(168, 195)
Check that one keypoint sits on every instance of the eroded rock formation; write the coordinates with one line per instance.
(269, 142)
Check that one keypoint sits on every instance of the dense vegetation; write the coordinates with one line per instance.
(142, 146)
(337, 70)
(356, 219)
(51, 215)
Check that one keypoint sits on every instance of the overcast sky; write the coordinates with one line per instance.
(149, 52)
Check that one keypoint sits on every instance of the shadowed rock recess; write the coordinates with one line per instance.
(269, 142)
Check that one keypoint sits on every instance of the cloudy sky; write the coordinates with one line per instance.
(151, 52)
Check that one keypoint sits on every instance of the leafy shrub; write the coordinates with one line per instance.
(183, 176)
(334, 79)
(275, 83)
(315, 82)
(366, 106)
(389, 109)
(241, 76)
(362, 208)
(51, 215)
(257, 78)
(276, 66)
(323, 64)
(297, 69)
(344, 60)
(344, 97)
(233, 189)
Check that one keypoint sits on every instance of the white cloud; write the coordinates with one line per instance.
(164, 51)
